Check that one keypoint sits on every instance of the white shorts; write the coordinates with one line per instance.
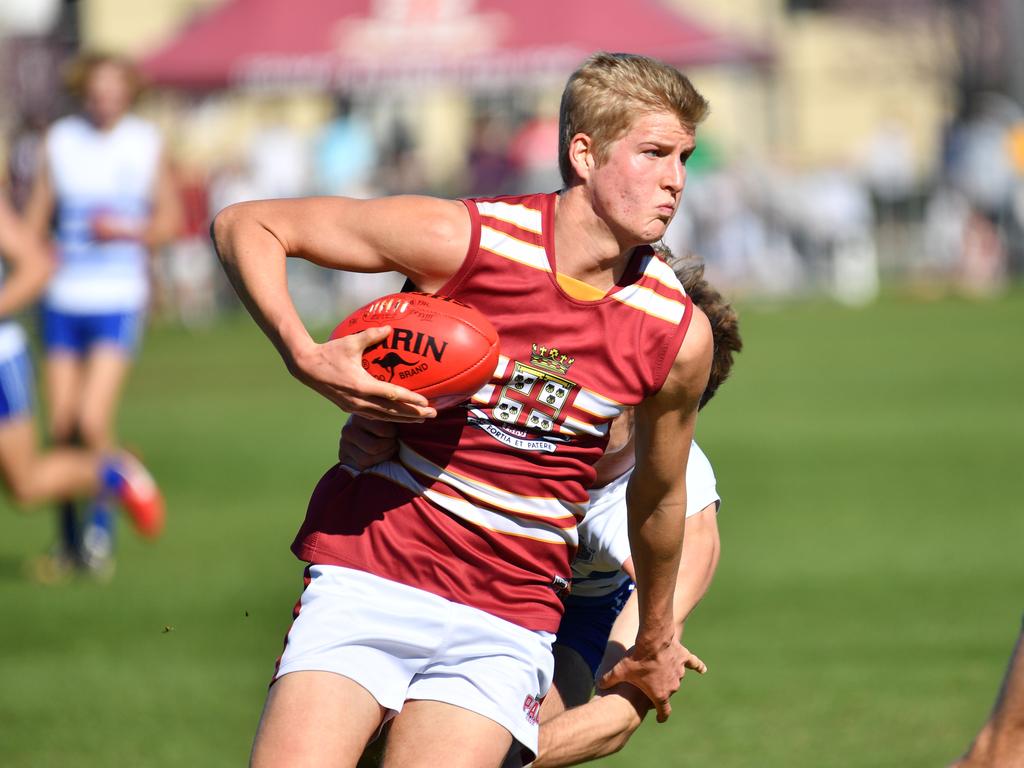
(402, 643)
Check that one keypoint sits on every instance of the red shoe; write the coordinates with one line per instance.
(140, 496)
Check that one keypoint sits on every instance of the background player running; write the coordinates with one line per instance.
(105, 183)
(32, 477)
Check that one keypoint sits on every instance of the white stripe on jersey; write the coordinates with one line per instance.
(597, 405)
(483, 395)
(518, 215)
(529, 528)
(535, 506)
(656, 269)
(573, 426)
(514, 249)
(654, 304)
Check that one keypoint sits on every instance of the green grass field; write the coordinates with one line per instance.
(869, 592)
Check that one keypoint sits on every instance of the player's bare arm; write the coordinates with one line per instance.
(28, 259)
(167, 218)
(424, 238)
(42, 200)
(656, 503)
(701, 548)
(605, 724)
(593, 730)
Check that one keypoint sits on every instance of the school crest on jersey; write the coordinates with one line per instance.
(536, 394)
(533, 399)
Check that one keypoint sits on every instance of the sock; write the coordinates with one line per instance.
(98, 536)
(68, 527)
(111, 478)
(101, 517)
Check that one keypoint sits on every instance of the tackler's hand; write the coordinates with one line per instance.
(366, 442)
(657, 671)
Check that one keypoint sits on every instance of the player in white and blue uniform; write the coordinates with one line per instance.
(30, 476)
(600, 621)
(601, 584)
(104, 183)
(101, 178)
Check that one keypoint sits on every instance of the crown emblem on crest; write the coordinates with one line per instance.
(551, 359)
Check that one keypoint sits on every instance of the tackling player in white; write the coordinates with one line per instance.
(576, 728)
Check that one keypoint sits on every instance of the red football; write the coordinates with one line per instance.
(439, 347)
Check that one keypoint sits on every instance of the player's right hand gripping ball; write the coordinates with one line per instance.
(439, 347)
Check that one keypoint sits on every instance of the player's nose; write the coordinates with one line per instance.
(674, 178)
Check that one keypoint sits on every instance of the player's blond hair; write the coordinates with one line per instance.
(604, 95)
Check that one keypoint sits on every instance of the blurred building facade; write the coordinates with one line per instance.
(871, 140)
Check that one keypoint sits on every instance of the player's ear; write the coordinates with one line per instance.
(581, 155)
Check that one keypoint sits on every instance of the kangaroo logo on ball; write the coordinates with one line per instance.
(438, 346)
(390, 362)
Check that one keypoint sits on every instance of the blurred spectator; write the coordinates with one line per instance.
(534, 152)
(838, 227)
(279, 161)
(344, 154)
(187, 268)
(401, 171)
(888, 165)
(979, 162)
(231, 182)
(490, 168)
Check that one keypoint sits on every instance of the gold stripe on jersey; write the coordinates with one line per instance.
(499, 523)
(654, 304)
(513, 249)
(546, 507)
(518, 215)
(492, 520)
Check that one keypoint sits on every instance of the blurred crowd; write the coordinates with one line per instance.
(767, 230)
(764, 229)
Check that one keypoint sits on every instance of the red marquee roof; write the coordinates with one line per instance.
(346, 43)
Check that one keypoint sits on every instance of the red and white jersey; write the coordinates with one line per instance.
(481, 504)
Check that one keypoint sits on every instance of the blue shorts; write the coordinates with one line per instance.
(587, 622)
(78, 334)
(16, 386)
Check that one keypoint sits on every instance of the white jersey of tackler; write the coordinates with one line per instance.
(604, 539)
(94, 172)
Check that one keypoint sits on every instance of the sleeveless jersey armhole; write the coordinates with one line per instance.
(664, 363)
(471, 253)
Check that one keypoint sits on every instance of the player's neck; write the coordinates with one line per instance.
(106, 124)
(585, 247)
